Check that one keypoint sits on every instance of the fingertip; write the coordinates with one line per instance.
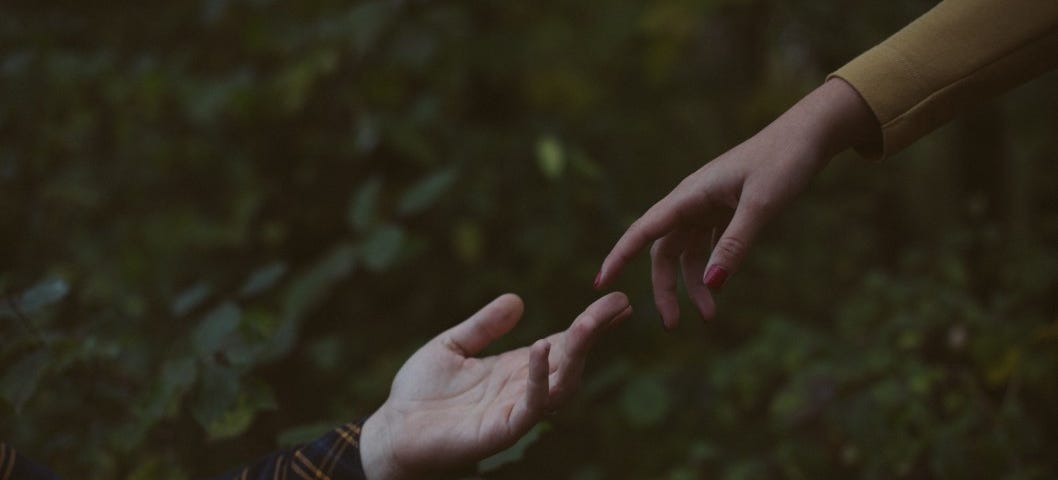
(707, 312)
(668, 310)
(512, 301)
(542, 347)
(715, 277)
(703, 302)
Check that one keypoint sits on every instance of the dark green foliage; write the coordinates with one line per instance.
(228, 222)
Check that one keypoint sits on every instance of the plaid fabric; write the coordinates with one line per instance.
(334, 456)
(15, 467)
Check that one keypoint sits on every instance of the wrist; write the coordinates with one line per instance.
(833, 118)
(376, 448)
(848, 119)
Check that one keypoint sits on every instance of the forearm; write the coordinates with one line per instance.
(960, 53)
(834, 117)
(335, 455)
(828, 120)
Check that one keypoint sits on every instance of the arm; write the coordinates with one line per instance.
(958, 54)
(335, 455)
(448, 408)
(736, 193)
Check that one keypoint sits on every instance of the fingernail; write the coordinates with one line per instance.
(598, 277)
(715, 277)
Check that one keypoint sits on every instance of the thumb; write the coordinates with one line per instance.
(733, 244)
(491, 322)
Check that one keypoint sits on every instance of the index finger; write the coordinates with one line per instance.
(654, 224)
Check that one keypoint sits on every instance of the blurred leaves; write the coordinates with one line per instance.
(263, 279)
(549, 157)
(21, 379)
(227, 224)
(35, 298)
(426, 192)
(515, 452)
(214, 331)
(645, 401)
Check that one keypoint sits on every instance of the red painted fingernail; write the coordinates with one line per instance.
(598, 277)
(715, 277)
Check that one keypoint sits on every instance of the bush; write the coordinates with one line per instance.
(229, 222)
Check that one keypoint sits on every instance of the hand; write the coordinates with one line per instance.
(448, 408)
(737, 193)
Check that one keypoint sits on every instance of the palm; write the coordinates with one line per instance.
(447, 404)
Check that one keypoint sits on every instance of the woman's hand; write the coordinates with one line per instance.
(448, 408)
(736, 194)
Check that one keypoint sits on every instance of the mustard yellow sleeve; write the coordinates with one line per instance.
(960, 53)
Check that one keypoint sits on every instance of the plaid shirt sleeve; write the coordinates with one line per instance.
(14, 467)
(334, 456)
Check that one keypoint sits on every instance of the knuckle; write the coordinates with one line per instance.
(583, 326)
(731, 248)
(564, 389)
(635, 230)
(758, 206)
(655, 249)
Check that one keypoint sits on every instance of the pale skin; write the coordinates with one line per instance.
(708, 223)
(449, 408)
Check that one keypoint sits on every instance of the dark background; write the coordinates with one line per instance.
(225, 224)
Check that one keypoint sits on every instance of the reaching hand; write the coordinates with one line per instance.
(448, 408)
(737, 193)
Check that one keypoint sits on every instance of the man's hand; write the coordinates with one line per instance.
(448, 408)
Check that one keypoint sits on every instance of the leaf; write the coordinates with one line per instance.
(426, 192)
(381, 249)
(190, 298)
(645, 401)
(549, 157)
(302, 434)
(468, 241)
(37, 297)
(235, 420)
(515, 452)
(215, 329)
(22, 378)
(312, 285)
(367, 21)
(43, 294)
(363, 207)
(217, 393)
(585, 165)
(263, 279)
(157, 467)
(178, 375)
(305, 292)
(327, 353)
